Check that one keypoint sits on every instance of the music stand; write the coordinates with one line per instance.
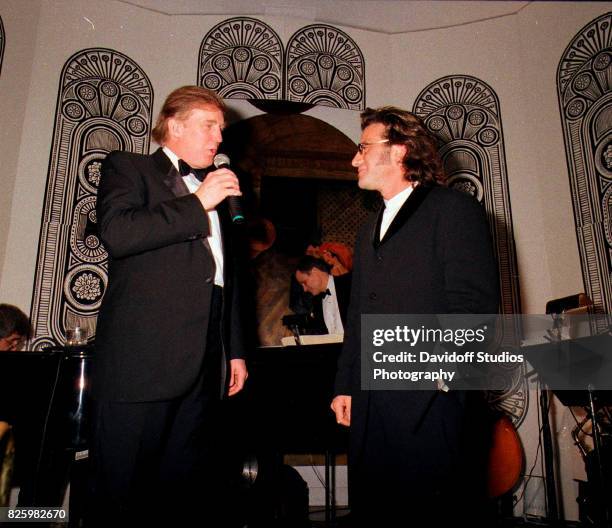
(573, 369)
(547, 449)
(555, 308)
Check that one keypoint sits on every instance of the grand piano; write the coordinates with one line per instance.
(43, 395)
(284, 409)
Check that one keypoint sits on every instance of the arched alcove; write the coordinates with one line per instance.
(298, 149)
(296, 173)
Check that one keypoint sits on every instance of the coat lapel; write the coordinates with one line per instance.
(172, 179)
(376, 233)
(414, 201)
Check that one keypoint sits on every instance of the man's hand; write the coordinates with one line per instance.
(238, 375)
(217, 186)
(341, 405)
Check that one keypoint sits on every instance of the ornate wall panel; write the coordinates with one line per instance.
(242, 58)
(584, 82)
(464, 113)
(104, 103)
(325, 67)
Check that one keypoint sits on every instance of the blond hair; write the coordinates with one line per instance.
(180, 102)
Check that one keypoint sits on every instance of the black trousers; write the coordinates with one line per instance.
(161, 460)
(434, 477)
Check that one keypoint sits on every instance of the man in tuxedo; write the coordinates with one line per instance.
(427, 251)
(329, 293)
(168, 340)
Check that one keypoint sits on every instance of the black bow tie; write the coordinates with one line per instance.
(185, 170)
(326, 292)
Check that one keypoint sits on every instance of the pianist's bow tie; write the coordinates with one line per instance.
(185, 170)
(326, 293)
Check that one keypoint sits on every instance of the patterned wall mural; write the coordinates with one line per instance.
(104, 103)
(464, 113)
(243, 58)
(325, 67)
(584, 88)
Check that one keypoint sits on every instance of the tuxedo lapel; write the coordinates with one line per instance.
(376, 233)
(171, 177)
(174, 181)
(414, 201)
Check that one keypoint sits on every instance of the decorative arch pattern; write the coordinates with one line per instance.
(464, 113)
(242, 58)
(584, 88)
(325, 67)
(104, 103)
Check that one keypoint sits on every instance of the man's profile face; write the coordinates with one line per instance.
(379, 166)
(374, 164)
(313, 281)
(196, 136)
(12, 343)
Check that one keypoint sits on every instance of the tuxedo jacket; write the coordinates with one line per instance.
(153, 322)
(435, 258)
(314, 304)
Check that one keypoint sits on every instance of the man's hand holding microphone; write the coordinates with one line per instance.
(219, 185)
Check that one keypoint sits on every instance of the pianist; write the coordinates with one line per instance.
(329, 294)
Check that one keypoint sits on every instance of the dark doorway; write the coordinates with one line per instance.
(299, 188)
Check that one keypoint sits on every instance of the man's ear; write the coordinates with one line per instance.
(398, 153)
(175, 127)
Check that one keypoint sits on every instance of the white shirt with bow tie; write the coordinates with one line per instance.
(331, 310)
(214, 239)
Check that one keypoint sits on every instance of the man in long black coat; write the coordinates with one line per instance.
(428, 251)
(168, 337)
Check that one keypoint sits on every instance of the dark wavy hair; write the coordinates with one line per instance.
(422, 163)
(307, 262)
(14, 321)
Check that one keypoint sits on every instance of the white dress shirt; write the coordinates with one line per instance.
(392, 206)
(331, 310)
(214, 239)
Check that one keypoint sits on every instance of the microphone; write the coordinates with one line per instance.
(221, 161)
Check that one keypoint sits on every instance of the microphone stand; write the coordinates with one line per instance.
(551, 488)
(295, 330)
(552, 509)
